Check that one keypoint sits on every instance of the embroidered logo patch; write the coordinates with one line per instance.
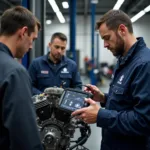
(112, 76)
(120, 79)
(64, 70)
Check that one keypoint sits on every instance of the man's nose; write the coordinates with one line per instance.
(31, 46)
(59, 50)
(106, 44)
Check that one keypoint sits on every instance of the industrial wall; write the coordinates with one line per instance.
(83, 36)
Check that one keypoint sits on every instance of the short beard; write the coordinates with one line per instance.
(119, 46)
(55, 58)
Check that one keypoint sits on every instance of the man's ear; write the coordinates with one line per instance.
(49, 44)
(122, 29)
(23, 31)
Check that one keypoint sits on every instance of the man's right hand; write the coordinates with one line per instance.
(98, 96)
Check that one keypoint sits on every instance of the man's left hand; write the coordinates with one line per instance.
(88, 114)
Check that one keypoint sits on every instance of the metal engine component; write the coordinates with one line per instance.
(56, 126)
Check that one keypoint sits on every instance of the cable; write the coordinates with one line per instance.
(84, 136)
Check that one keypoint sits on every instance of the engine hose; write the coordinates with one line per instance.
(83, 140)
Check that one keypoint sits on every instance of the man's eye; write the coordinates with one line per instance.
(107, 37)
(57, 47)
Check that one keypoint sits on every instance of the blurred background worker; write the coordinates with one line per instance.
(54, 69)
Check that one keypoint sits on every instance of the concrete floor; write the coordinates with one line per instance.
(93, 142)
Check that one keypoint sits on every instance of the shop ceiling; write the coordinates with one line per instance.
(83, 7)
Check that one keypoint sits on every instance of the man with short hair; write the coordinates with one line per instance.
(125, 121)
(18, 127)
(54, 69)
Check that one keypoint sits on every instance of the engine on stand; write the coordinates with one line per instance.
(56, 126)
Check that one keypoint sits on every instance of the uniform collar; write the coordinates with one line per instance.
(139, 44)
(46, 58)
(5, 49)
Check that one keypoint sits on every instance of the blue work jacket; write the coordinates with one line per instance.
(18, 127)
(44, 73)
(126, 117)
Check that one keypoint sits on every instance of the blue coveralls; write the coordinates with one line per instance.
(44, 73)
(126, 117)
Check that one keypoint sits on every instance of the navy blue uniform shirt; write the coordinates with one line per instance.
(18, 128)
(126, 117)
(44, 73)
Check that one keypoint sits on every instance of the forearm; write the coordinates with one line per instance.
(125, 122)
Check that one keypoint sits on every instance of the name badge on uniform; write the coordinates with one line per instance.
(44, 72)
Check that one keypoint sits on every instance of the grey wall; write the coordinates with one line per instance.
(83, 36)
(142, 28)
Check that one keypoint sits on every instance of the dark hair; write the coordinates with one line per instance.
(16, 18)
(59, 35)
(113, 19)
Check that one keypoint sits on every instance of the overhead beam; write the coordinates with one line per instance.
(78, 13)
(7, 3)
(132, 6)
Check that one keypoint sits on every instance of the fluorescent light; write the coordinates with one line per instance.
(137, 16)
(141, 13)
(60, 17)
(94, 1)
(54, 5)
(48, 21)
(118, 4)
(65, 5)
(147, 9)
(57, 11)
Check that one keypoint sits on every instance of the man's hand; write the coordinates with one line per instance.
(98, 96)
(88, 114)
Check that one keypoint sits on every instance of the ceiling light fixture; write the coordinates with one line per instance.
(48, 21)
(140, 14)
(147, 9)
(57, 11)
(94, 1)
(118, 4)
(61, 17)
(65, 5)
(54, 5)
(137, 16)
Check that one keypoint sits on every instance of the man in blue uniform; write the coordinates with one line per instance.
(18, 128)
(54, 69)
(126, 118)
